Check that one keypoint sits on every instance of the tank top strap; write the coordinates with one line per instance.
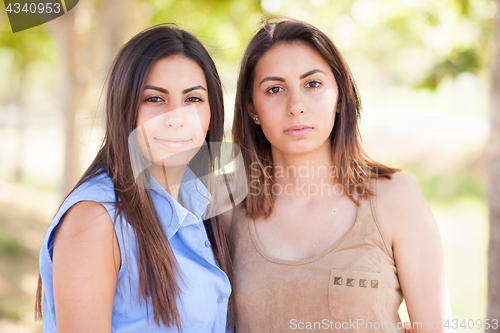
(367, 227)
(376, 219)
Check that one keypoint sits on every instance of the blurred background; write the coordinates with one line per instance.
(425, 73)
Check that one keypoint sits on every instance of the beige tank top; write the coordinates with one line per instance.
(351, 287)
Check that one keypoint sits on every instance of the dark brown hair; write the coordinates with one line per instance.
(347, 152)
(157, 265)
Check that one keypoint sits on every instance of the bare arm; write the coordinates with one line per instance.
(86, 260)
(416, 242)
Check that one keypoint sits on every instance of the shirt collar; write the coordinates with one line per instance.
(194, 197)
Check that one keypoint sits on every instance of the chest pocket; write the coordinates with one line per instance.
(353, 295)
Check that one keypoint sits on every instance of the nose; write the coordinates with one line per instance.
(296, 105)
(174, 118)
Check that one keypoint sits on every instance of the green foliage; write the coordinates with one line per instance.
(417, 43)
(9, 245)
(463, 6)
(457, 62)
(451, 188)
(27, 46)
(226, 25)
(468, 54)
(9, 311)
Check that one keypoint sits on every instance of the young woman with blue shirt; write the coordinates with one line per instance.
(131, 248)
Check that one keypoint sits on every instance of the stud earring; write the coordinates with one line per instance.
(256, 118)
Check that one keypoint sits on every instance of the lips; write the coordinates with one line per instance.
(173, 143)
(298, 130)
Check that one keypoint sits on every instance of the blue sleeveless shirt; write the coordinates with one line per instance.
(205, 288)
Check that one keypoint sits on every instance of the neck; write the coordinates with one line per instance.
(305, 175)
(169, 178)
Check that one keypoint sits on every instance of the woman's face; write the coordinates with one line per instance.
(294, 97)
(174, 112)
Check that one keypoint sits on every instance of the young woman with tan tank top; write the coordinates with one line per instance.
(327, 239)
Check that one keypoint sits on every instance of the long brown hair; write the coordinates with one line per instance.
(356, 168)
(157, 265)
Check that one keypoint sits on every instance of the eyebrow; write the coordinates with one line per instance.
(165, 91)
(272, 78)
(185, 91)
(311, 72)
(280, 79)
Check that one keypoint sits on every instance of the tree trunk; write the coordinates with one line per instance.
(74, 89)
(82, 51)
(493, 311)
(21, 125)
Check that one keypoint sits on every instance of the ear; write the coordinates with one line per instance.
(253, 114)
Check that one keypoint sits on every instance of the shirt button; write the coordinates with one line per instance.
(219, 299)
(207, 243)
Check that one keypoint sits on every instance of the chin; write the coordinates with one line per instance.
(176, 160)
(301, 148)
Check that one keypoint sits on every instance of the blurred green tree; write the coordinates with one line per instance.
(22, 52)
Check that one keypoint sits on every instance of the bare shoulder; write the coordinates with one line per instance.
(399, 194)
(85, 223)
(87, 209)
(400, 185)
(401, 205)
(87, 217)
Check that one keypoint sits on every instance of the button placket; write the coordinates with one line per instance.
(209, 256)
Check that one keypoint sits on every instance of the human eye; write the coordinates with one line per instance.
(313, 84)
(194, 99)
(274, 90)
(154, 99)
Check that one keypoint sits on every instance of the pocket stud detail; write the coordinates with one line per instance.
(350, 282)
(362, 283)
(337, 281)
(374, 283)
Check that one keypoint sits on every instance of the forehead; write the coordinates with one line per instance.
(290, 59)
(176, 70)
